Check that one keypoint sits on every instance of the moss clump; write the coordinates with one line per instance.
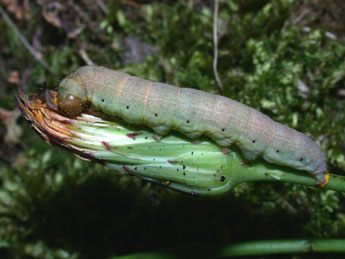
(291, 70)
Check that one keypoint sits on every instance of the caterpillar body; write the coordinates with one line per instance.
(163, 107)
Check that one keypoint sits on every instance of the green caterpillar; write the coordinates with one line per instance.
(192, 112)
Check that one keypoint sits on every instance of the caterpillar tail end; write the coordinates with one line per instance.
(322, 179)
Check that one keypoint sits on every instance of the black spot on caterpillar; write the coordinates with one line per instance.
(224, 120)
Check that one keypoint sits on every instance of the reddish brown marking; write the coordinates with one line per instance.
(211, 113)
(67, 121)
(126, 169)
(96, 77)
(106, 145)
(274, 134)
(249, 117)
(178, 97)
(90, 154)
(172, 161)
(133, 135)
(147, 93)
(123, 84)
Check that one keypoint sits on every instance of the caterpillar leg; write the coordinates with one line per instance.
(48, 100)
(157, 137)
(159, 132)
(225, 150)
(322, 179)
(245, 162)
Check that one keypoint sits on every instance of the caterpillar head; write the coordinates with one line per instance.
(70, 105)
(71, 96)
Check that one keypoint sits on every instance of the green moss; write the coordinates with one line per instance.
(265, 61)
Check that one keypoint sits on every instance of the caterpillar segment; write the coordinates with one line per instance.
(165, 107)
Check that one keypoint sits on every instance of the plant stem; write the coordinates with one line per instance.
(23, 40)
(263, 171)
(250, 248)
(174, 161)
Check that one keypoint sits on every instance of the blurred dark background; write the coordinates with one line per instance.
(285, 58)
